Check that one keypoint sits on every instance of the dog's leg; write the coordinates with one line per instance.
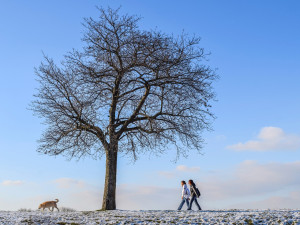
(57, 208)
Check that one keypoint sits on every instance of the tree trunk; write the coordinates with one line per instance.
(109, 196)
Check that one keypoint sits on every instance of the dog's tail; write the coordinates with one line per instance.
(57, 200)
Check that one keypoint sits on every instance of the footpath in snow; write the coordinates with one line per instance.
(291, 217)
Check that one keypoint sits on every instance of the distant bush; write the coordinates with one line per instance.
(25, 210)
(66, 209)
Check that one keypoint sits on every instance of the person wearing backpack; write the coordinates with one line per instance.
(195, 193)
(185, 195)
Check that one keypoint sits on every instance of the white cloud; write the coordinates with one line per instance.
(67, 183)
(128, 197)
(134, 197)
(270, 139)
(251, 179)
(87, 199)
(184, 168)
(177, 170)
(268, 183)
(290, 201)
(12, 182)
(249, 184)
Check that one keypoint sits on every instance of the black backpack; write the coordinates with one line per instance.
(197, 192)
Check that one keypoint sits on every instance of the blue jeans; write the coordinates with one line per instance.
(182, 203)
(194, 198)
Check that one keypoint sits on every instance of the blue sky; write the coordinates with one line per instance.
(255, 47)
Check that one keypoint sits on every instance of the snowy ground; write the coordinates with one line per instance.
(153, 217)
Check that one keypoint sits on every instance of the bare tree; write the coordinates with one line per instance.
(127, 91)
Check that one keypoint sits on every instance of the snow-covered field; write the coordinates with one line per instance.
(153, 217)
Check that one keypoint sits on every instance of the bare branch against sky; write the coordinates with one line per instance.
(128, 90)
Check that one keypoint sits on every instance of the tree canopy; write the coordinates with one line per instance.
(128, 90)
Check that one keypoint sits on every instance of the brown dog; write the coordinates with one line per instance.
(49, 204)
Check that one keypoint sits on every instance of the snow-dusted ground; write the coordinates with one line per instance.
(153, 217)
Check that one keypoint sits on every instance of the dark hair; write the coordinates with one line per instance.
(183, 182)
(192, 182)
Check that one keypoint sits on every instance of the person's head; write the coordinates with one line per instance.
(183, 183)
(191, 182)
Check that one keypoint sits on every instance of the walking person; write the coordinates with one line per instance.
(195, 193)
(185, 195)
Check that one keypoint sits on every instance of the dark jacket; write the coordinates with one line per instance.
(193, 190)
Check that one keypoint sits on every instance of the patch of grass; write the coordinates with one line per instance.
(25, 210)
(87, 213)
(66, 209)
(64, 223)
(249, 222)
(101, 210)
(28, 221)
